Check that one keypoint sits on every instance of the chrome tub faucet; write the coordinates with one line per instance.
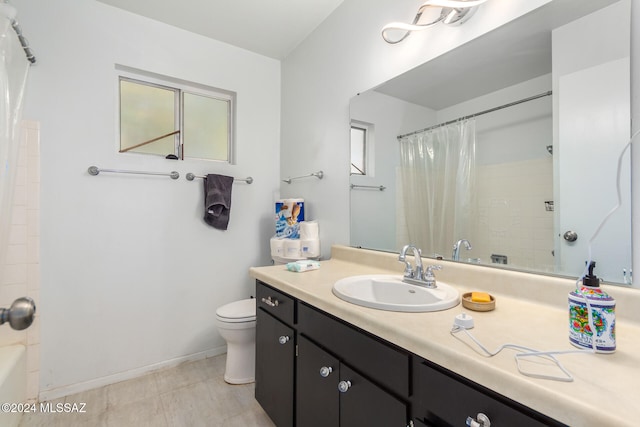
(456, 248)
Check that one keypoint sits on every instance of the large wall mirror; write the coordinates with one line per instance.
(538, 113)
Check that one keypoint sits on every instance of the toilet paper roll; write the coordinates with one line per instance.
(277, 247)
(309, 230)
(292, 248)
(310, 248)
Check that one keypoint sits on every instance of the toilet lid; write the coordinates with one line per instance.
(238, 310)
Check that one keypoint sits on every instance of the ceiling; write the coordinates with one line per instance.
(271, 28)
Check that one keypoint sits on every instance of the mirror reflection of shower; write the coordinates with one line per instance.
(438, 176)
(20, 315)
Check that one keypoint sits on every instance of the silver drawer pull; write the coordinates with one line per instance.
(270, 302)
(481, 420)
(283, 339)
(343, 386)
(325, 371)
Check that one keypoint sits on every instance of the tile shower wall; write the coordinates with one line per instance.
(512, 219)
(21, 272)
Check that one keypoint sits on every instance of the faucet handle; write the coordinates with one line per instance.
(429, 277)
(408, 271)
(430, 268)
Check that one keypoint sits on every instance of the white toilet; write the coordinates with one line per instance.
(236, 323)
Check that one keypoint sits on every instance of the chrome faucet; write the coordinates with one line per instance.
(418, 276)
(456, 248)
(409, 273)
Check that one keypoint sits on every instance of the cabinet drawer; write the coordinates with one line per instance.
(445, 399)
(388, 365)
(278, 304)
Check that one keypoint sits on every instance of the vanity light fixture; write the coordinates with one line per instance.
(451, 12)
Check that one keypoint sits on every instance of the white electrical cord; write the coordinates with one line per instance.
(525, 352)
(615, 208)
(595, 234)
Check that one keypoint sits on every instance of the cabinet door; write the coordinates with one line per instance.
(388, 364)
(317, 396)
(275, 353)
(363, 403)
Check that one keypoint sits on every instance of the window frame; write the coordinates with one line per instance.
(180, 88)
(368, 147)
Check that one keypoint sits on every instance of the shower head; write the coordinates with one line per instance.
(20, 314)
(550, 149)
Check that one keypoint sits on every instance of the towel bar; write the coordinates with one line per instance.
(377, 187)
(318, 175)
(94, 170)
(190, 177)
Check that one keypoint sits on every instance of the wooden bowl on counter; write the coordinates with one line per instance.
(478, 306)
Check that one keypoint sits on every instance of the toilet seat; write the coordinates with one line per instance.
(238, 311)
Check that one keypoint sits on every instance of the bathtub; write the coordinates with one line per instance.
(13, 382)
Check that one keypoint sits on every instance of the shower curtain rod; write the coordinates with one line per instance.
(23, 42)
(491, 110)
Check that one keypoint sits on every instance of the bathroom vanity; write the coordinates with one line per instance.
(321, 361)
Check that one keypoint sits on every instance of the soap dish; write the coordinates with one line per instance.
(478, 306)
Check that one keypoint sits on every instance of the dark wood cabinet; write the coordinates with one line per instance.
(303, 355)
(368, 382)
(386, 363)
(331, 393)
(275, 359)
(315, 370)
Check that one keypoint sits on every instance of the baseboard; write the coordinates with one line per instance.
(70, 389)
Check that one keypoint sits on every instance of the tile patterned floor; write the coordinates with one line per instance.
(192, 394)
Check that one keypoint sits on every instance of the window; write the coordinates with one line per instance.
(173, 117)
(360, 146)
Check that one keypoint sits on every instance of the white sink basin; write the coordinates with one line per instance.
(389, 292)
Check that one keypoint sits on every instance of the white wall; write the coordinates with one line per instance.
(131, 274)
(344, 56)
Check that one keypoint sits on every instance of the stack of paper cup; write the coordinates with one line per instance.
(309, 239)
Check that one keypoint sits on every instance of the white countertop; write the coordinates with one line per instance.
(531, 310)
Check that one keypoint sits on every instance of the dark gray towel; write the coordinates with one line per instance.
(217, 200)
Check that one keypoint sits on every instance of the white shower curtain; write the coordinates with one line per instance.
(13, 75)
(437, 169)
